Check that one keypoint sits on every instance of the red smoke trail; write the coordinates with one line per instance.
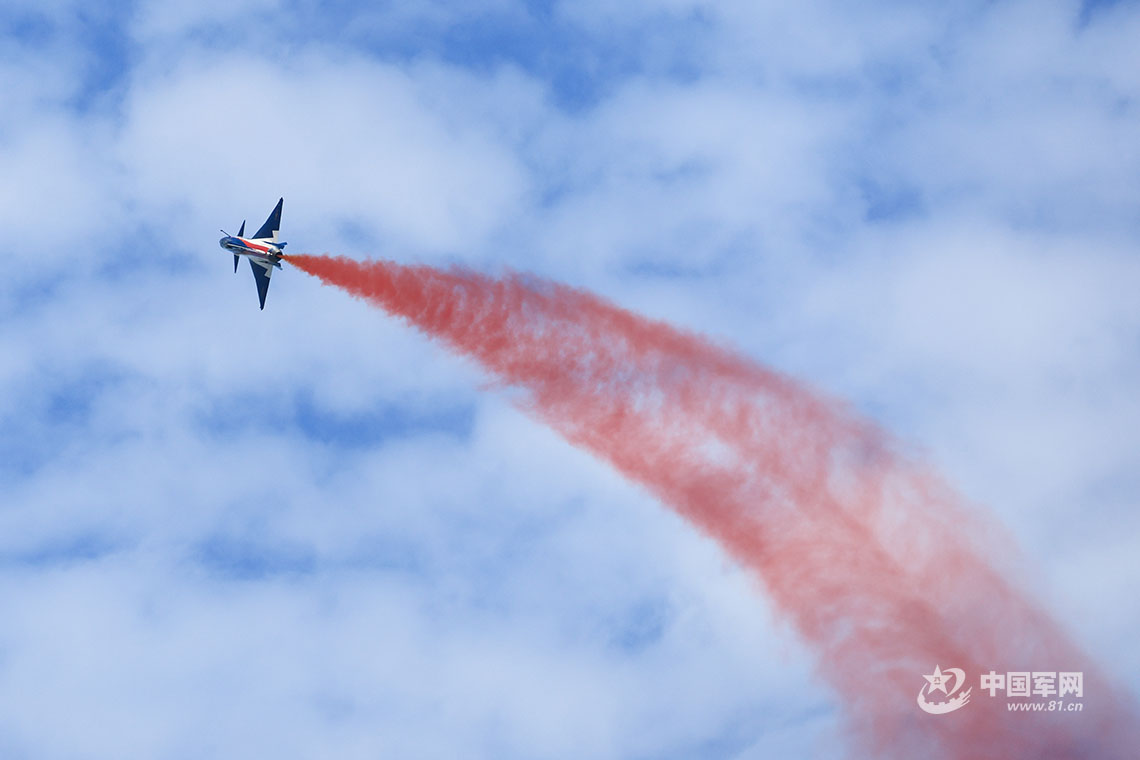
(876, 564)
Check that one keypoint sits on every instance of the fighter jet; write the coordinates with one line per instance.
(262, 250)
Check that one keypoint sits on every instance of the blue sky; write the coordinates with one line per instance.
(308, 531)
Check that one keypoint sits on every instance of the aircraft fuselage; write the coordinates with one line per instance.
(261, 251)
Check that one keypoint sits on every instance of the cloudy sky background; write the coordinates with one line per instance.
(309, 532)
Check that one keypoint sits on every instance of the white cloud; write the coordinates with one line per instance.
(164, 23)
(466, 592)
(350, 140)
